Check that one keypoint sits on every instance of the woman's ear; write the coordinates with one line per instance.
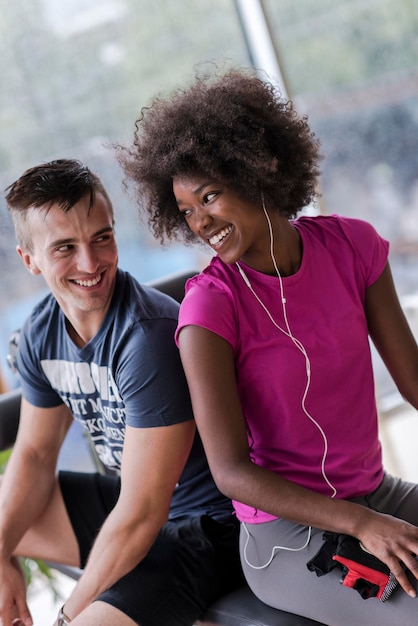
(28, 261)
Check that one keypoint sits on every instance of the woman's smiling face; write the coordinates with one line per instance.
(233, 227)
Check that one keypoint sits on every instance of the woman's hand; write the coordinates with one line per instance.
(395, 542)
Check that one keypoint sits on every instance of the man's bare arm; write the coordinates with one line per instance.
(153, 459)
(26, 488)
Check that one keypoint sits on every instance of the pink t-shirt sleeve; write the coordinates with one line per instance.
(208, 303)
(370, 248)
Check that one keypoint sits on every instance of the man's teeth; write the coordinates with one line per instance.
(219, 236)
(89, 283)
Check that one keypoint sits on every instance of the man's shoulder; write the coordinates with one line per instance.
(142, 301)
(42, 313)
(41, 335)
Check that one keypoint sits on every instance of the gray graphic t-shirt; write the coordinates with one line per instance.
(129, 374)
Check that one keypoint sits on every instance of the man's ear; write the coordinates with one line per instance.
(28, 261)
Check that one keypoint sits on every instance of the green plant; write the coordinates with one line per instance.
(4, 457)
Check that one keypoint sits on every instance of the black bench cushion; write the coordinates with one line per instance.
(239, 608)
(242, 608)
(9, 417)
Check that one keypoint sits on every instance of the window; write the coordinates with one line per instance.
(77, 73)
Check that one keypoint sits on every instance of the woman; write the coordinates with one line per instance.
(274, 340)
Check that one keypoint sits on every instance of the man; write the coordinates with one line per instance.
(157, 543)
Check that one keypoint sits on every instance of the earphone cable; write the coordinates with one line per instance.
(288, 333)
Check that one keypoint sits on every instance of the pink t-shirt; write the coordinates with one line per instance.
(325, 311)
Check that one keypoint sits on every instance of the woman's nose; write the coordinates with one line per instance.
(203, 219)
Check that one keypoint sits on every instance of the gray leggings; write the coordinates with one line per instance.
(287, 584)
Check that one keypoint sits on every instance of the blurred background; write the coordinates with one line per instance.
(75, 74)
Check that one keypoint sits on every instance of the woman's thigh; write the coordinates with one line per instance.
(285, 582)
(394, 497)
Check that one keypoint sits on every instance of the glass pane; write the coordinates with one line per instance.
(351, 66)
(74, 76)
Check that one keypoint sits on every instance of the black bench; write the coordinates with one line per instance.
(240, 608)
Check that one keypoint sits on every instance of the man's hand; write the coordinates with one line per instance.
(13, 607)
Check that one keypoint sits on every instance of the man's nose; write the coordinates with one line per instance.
(87, 260)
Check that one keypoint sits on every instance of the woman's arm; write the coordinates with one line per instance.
(392, 335)
(209, 366)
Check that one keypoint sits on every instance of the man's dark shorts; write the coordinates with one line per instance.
(192, 562)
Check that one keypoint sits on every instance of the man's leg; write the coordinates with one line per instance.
(192, 562)
(102, 614)
(51, 537)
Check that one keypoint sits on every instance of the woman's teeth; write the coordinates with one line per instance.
(219, 236)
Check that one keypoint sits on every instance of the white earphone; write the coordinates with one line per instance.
(299, 345)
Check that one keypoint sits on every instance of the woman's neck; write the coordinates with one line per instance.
(287, 251)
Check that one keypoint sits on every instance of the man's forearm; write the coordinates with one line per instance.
(26, 488)
(119, 547)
